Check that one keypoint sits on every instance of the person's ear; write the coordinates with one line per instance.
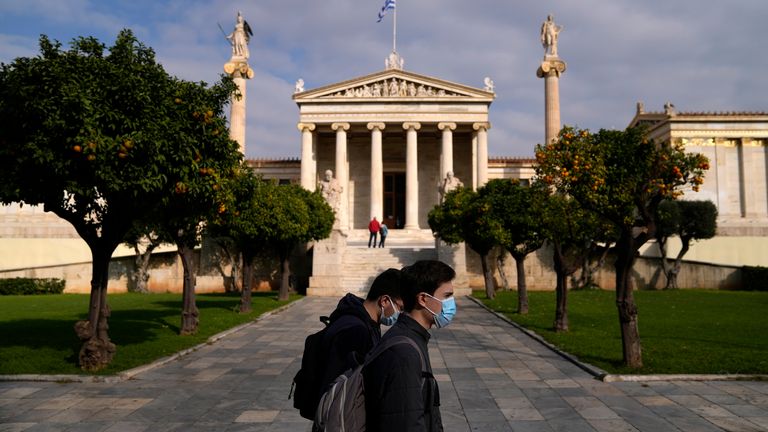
(421, 299)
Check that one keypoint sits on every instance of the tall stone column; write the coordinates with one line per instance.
(446, 156)
(551, 69)
(482, 152)
(307, 156)
(342, 173)
(411, 176)
(377, 171)
(239, 70)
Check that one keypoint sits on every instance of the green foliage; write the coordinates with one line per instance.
(618, 174)
(667, 219)
(31, 286)
(446, 219)
(754, 278)
(698, 219)
(685, 331)
(101, 137)
(38, 339)
(519, 210)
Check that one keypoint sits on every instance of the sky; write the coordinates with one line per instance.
(700, 56)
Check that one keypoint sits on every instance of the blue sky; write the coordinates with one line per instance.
(701, 56)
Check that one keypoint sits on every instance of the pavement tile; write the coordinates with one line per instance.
(492, 378)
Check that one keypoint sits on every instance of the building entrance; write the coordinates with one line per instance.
(394, 200)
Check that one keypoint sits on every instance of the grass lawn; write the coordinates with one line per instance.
(38, 335)
(681, 331)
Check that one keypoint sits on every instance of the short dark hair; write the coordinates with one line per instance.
(386, 283)
(423, 276)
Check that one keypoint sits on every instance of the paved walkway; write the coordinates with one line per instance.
(492, 378)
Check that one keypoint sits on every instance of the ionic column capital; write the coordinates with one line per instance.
(443, 125)
(411, 125)
(550, 68)
(306, 127)
(337, 126)
(378, 126)
(481, 125)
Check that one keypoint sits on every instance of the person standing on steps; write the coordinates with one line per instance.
(383, 232)
(373, 228)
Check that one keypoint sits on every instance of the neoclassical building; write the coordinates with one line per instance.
(391, 138)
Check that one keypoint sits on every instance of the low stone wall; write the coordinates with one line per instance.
(166, 273)
(646, 274)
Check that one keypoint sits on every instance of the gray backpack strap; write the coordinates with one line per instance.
(389, 343)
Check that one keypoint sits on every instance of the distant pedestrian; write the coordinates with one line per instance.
(383, 231)
(401, 393)
(373, 228)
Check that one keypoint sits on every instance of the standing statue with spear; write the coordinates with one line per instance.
(239, 37)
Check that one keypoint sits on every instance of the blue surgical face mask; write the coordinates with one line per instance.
(392, 319)
(446, 314)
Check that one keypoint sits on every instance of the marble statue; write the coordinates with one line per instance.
(331, 190)
(450, 182)
(240, 37)
(549, 34)
(299, 86)
(489, 87)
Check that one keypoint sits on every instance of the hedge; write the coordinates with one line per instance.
(31, 286)
(754, 278)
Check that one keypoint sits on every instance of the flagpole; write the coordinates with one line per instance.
(394, 30)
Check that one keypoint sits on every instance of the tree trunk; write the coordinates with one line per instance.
(625, 302)
(561, 290)
(245, 298)
(189, 312)
(502, 273)
(672, 279)
(522, 286)
(140, 276)
(236, 271)
(285, 263)
(490, 290)
(97, 350)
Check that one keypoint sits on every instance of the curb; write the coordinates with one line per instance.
(131, 373)
(604, 376)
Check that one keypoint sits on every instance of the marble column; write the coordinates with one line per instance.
(446, 156)
(377, 171)
(482, 152)
(551, 69)
(411, 175)
(308, 162)
(239, 70)
(342, 173)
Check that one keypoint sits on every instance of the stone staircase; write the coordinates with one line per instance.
(345, 264)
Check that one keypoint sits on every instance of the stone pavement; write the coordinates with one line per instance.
(492, 378)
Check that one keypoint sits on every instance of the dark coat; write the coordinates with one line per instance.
(399, 396)
(351, 332)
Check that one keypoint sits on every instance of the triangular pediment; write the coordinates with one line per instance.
(393, 85)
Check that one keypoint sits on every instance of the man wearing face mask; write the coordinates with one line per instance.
(356, 324)
(401, 394)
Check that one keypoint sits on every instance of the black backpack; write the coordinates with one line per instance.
(306, 387)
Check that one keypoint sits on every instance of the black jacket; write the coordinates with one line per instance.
(351, 332)
(399, 396)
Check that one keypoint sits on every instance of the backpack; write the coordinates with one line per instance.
(306, 385)
(342, 407)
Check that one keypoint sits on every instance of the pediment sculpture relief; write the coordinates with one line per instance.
(393, 88)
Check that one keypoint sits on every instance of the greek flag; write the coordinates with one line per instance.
(388, 4)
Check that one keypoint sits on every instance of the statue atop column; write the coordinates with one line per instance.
(240, 37)
(450, 182)
(331, 190)
(549, 34)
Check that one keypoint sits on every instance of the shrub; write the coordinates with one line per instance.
(754, 278)
(31, 286)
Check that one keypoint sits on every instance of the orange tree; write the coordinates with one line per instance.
(101, 137)
(242, 225)
(622, 177)
(467, 216)
(519, 209)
